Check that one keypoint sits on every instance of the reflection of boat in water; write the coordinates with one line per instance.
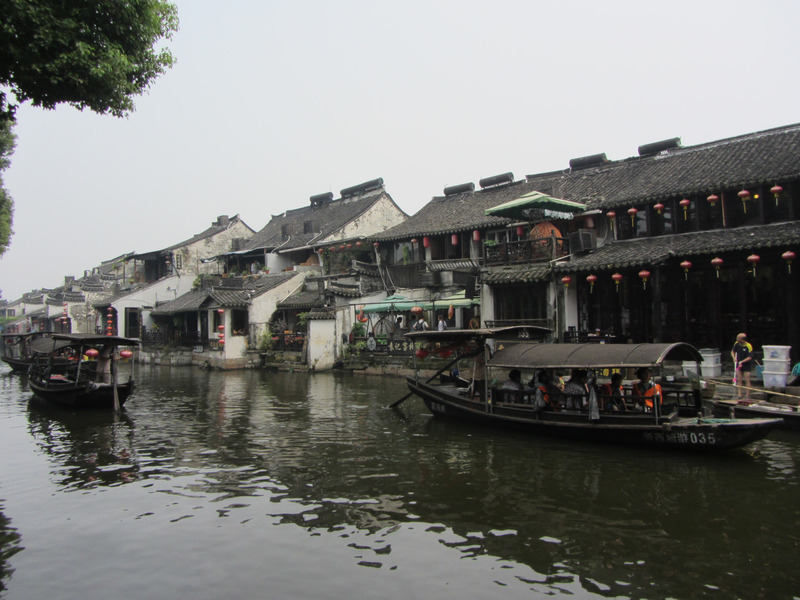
(761, 409)
(664, 423)
(92, 382)
(20, 348)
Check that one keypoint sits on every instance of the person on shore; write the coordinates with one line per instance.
(742, 355)
(646, 391)
(442, 326)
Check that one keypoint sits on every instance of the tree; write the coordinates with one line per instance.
(95, 54)
(7, 143)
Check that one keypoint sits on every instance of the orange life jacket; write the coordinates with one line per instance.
(607, 393)
(648, 395)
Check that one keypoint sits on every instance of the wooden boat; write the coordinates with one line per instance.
(92, 382)
(19, 348)
(760, 409)
(667, 425)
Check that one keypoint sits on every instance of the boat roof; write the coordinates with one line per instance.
(591, 356)
(95, 338)
(519, 332)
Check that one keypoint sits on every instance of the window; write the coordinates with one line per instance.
(239, 322)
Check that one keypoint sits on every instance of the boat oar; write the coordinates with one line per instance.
(114, 383)
(434, 376)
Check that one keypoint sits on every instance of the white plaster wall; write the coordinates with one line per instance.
(322, 340)
(263, 306)
(163, 290)
(208, 247)
(381, 216)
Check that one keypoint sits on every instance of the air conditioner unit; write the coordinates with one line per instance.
(581, 241)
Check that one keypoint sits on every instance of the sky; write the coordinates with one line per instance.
(270, 103)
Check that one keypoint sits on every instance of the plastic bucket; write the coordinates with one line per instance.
(777, 365)
(711, 356)
(779, 352)
(774, 379)
(711, 370)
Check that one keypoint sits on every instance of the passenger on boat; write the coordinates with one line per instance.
(576, 392)
(513, 384)
(646, 391)
(104, 366)
(548, 393)
(611, 395)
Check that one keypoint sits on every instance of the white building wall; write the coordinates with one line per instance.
(263, 306)
(381, 216)
(146, 299)
(215, 245)
(322, 340)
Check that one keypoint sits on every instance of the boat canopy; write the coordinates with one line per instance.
(397, 303)
(98, 339)
(591, 356)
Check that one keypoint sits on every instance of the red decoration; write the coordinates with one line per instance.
(776, 191)
(417, 310)
(476, 236)
(221, 327)
(753, 260)
(359, 243)
(125, 354)
(332, 248)
(685, 203)
(92, 353)
(717, 263)
(713, 199)
(566, 280)
(375, 244)
(421, 353)
(454, 239)
(520, 230)
(686, 265)
(426, 242)
(221, 311)
(451, 311)
(341, 246)
(611, 216)
(745, 196)
(349, 246)
(445, 353)
(221, 342)
(413, 240)
(591, 279)
(633, 212)
(788, 256)
(320, 251)
(617, 277)
(659, 207)
(644, 275)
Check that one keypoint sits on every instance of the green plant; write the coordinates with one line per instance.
(490, 243)
(265, 344)
(302, 319)
(361, 346)
(359, 330)
(406, 255)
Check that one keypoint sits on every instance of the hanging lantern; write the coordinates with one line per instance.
(617, 277)
(644, 275)
(359, 243)
(788, 256)
(633, 212)
(520, 230)
(717, 263)
(375, 244)
(221, 341)
(426, 242)
(685, 203)
(590, 279)
(454, 239)
(451, 311)
(221, 327)
(659, 208)
(753, 260)
(745, 196)
(332, 248)
(341, 246)
(566, 280)
(416, 310)
(445, 353)
(476, 235)
(686, 265)
(421, 353)
(92, 353)
(221, 311)
(349, 246)
(413, 240)
(320, 251)
(125, 354)
(776, 191)
(713, 199)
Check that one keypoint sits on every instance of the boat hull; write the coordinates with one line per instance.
(82, 395)
(789, 415)
(696, 434)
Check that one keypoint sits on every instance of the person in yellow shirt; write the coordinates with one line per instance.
(742, 355)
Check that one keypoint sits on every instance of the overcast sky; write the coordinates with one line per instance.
(272, 102)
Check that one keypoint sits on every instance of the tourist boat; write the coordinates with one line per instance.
(19, 349)
(679, 424)
(759, 409)
(93, 380)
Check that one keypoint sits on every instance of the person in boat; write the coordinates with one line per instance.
(645, 391)
(104, 365)
(513, 384)
(576, 392)
(547, 391)
(742, 355)
(612, 396)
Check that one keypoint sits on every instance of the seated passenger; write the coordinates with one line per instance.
(646, 391)
(576, 393)
(513, 384)
(612, 397)
(546, 390)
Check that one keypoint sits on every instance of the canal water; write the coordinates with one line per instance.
(286, 485)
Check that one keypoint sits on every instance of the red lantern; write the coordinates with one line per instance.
(349, 246)
(332, 248)
(413, 240)
(713, 199)
(359, 243)
(92, 353)
(753, 260)
(717, 263)
(320, 251)
(591, 279)
(644, 275)
(633, 212)
(520, 230)
(476, 235)
(445, 353)
(566, 280)
(451, 311)
(611, 216)
(125, 354)
(221, 311)
(454, 239)
(417, 310)
(341, 246)
(221, 327)
(788, 256)
(421, 353)
(617, 277)
(686, 265)
(776, 191)
(659, 207)
(375, 244)
(221, 341)
(426, 242)
(745, 196)
(685, 203)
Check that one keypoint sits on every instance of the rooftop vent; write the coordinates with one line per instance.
(496, 180)
(222, 221)
(656, 147)
(592, 160)
(461, 188)
(321, 199)
(367, 186)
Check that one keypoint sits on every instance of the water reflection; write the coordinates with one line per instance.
(400, 491)
(9, 546)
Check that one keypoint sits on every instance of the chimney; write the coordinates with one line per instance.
(223, 221)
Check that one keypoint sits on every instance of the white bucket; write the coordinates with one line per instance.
(773, 380)
(711, 357)
(777, 365)
(779, 352)
(711, 370)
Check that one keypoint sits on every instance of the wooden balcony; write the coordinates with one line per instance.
(525, 251)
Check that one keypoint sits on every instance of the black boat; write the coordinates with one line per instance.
(19, 348)
(93, 381)
(759, 409)
(677, 422)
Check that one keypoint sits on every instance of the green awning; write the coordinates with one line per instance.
(395, 303)
(520, 207)
(458, 300)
